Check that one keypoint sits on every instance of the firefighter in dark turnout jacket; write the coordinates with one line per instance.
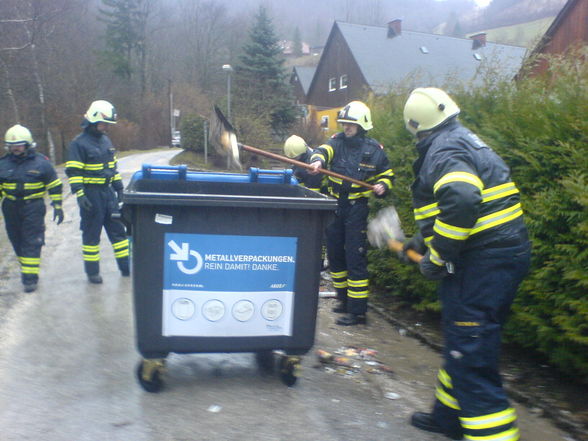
(25, 177)
(352, 153)
(470, 218)
(296, 148)
(94, 179)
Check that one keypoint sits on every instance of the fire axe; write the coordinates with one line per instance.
(227, 145)
(383, 230)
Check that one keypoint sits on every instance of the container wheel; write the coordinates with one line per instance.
(265, 361)
(150, 373)
(289, 369)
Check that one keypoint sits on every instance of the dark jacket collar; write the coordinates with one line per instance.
(28, 154)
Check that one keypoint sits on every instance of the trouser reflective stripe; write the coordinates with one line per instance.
(358, 289)
(25, 228)
(29, 265)
(121, 248)
(498, 426)
(508, 435)
(91, 253)
(346, 249)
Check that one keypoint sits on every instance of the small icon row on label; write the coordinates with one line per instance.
(213, 310)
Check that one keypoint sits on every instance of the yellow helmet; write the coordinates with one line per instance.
(294, 146)
(427, 108)
(356, 112)
(17, 135)
(101, 111)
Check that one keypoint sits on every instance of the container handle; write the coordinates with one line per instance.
(254, 173)
(182, 170)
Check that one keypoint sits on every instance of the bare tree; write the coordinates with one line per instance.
(31, 21)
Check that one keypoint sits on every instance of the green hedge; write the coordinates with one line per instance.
(540, 128)
(192, 130)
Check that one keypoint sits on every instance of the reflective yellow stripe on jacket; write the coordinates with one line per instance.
(483, 223)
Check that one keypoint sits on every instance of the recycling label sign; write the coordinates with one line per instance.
(228, 286)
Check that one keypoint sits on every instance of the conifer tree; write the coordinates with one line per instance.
(262, 93)
(126, 36)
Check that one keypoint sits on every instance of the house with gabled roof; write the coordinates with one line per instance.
(300, 80)
(568, 30)
(359, 60)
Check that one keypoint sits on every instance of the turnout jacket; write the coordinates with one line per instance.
(463, 195)
(28, 177)
(92, 161)
(358, 157)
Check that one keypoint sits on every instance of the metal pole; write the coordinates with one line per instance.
(228, 108)
(205, 142)
(171, 110)
(229, 95)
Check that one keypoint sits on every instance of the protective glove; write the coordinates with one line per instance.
(430, 270)
(416, 243)
(58, 214)
(84, 203)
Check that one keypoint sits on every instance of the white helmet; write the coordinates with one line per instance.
(18, 135)
(294, 146)
(427, 108)
(358, 113)
(101, 111)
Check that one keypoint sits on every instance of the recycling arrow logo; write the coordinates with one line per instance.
(183, 255)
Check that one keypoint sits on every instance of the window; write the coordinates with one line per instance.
(324, 122)
(332, 84)
(343, 82)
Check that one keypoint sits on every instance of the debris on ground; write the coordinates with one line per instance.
(351, 360)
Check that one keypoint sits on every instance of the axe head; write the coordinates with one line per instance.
(385, 226)
(224, 139)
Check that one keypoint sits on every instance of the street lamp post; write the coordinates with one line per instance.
(228, 69)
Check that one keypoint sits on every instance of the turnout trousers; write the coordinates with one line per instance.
(475, 303)
(104, 204)
(25, 227)
(346, 250)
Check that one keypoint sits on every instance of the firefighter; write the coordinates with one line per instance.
(25, 177)
(471, 225)
(352, 153)
(94, 179)
(296, 148)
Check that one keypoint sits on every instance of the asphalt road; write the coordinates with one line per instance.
(68, 359)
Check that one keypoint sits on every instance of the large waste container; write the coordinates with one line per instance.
(223, 262)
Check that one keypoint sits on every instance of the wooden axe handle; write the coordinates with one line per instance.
(304, 165)
(395, 245)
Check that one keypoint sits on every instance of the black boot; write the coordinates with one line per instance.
(425, 421)
(95, 278)
(352, 320)
(29, 282)
(30, 287)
